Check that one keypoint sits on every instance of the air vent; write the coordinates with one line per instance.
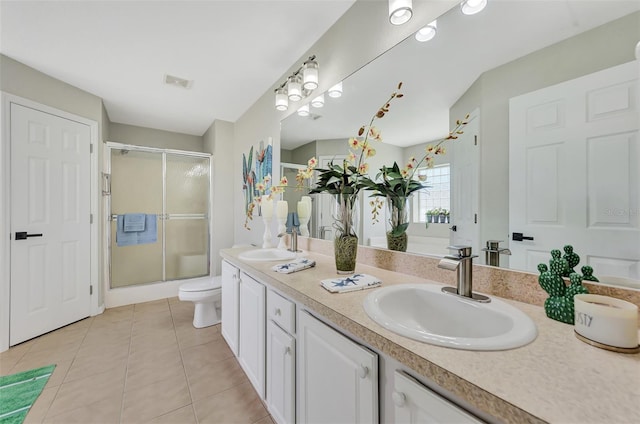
(178, 82)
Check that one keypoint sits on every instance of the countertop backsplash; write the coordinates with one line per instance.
(505, 283)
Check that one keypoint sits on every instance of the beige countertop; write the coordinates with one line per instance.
(556, 378)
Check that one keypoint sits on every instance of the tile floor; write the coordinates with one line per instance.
(137, 364)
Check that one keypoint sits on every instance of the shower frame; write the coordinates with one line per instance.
(164, 217)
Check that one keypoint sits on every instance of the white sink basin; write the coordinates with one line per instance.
(264, 255)
(422, 312)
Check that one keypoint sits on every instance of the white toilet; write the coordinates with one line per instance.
(205, 293)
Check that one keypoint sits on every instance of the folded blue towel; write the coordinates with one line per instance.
(149, 235)
(134, 222)
(350, 283)
(297, 265)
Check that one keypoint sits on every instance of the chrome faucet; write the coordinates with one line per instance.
(294, 239)
(493, 252)
(462, 262)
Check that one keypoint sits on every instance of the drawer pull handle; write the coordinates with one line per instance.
(287, 351)
(363, 371)
(399, 399)
(278, 312)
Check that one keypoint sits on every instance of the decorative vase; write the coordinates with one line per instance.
(397, 223)
(345, 244)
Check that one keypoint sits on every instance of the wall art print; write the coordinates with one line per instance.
(256, 172)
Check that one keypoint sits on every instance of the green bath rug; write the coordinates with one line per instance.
(19, 391)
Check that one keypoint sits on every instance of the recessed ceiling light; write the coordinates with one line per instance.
(178, 82)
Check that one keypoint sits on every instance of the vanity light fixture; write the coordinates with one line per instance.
(318, 101)
(282, 101)
(310, 74)
(298, 85)
(427, 33)
(304, 110)
(335, 91)
(400, 11)
(471, 7)
(294, 88)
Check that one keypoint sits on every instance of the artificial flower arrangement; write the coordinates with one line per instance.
(397, 185)
(344, 181)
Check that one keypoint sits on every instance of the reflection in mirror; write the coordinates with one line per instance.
(293, 196)
(553, 150)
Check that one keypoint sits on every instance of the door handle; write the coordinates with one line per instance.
(22, 235)
(520, 237)
(453, 228)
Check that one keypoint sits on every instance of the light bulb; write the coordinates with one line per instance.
(318, 101)
(294, 89)
(282, 101)
(304, 110)
(400, 11)
(427, 33)
(336, 90)
(310, 75)
(471, 7)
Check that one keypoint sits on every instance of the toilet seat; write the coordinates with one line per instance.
(202, 284)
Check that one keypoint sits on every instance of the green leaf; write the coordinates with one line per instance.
(400, 229)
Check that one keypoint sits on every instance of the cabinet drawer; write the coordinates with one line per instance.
(282, 311)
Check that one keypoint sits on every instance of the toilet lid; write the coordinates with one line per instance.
(202, 284)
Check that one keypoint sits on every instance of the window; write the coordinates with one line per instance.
(437, 195)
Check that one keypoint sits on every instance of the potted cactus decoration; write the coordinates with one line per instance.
(559, 305)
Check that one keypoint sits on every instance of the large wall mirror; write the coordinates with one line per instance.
(552, 148)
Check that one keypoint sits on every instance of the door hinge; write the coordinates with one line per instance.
(475, 218)
(90, 218)
(90, 290)
(475, 140)
(90, 147)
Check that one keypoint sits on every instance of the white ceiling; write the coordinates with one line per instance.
(120, 51)
(436, 73)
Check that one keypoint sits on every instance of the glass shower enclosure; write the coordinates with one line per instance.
(170, 190)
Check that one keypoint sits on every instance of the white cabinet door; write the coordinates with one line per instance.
(337, 378)
(415, 404)
(252, 331)
(281, 377)
(230, 299)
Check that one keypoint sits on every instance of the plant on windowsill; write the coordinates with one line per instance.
(397, 185)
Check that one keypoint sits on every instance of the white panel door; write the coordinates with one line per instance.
(337, 378)
(465, 186)
(281, 377)
(574, 155)
(230, 305)
(50, 206)
(252, 331)
(415, 404)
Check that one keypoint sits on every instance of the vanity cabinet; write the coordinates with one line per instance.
(281, 358)
(337, 378)
(416, 404)
(308, 372)
(230, 298)
(252, 327)
(281, 379)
